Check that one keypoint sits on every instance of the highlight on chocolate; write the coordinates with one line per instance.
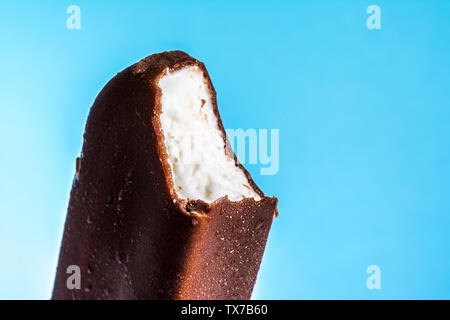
(160, 207)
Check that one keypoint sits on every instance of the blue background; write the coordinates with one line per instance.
(363, 116)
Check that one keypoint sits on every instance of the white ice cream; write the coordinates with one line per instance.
(201, 169)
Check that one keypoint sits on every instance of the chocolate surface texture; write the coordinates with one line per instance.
(128, 229)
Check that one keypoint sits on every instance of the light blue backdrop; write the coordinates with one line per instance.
(363, 117)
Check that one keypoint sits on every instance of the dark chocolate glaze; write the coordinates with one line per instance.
(126, 229)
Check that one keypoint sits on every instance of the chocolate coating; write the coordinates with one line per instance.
(127, 230)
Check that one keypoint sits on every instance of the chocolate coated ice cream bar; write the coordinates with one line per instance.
(160, 207)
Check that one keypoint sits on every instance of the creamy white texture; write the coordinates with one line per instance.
(201, 169)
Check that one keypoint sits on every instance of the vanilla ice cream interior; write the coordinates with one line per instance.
(200, 166)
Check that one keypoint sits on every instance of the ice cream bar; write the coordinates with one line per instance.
(160, 207)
